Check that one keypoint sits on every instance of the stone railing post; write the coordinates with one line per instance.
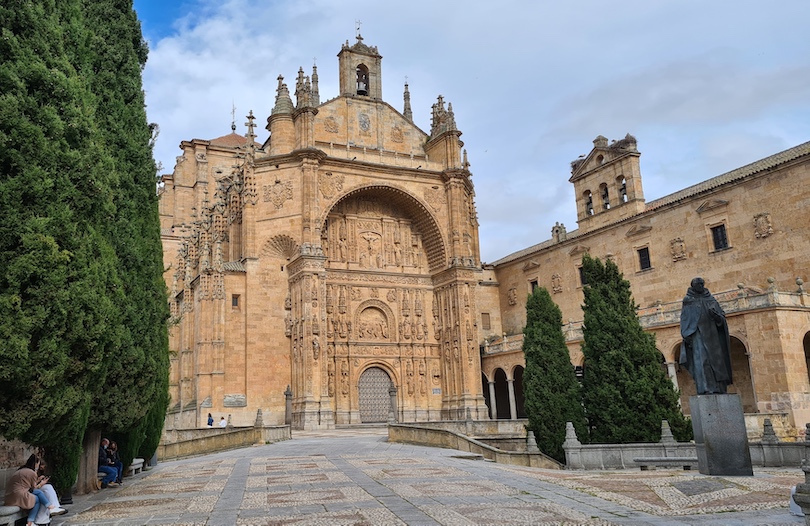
(572, 447)
(392, 406)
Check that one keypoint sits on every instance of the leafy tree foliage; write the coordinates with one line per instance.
(626, 392)
(551, 390)
(82, 302)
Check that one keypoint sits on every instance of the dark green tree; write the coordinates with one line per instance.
(59, 321)
(112, 57)
(82, 302)
(626, 392)
(551, 390)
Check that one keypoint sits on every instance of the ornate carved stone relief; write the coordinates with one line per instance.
(434, 197)
(512, 296)
(330, 124)
(762, 225)
(556, 284)
(330, 184)
(278, 193)
(678, 249)
(396, 134)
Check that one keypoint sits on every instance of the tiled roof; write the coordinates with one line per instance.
(233, 266)
(232, 140)
(736, 174)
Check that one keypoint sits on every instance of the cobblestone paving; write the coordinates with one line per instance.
(356, 477)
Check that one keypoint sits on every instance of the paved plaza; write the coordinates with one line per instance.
(356, 477)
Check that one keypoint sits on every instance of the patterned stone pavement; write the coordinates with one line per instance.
(355, 477)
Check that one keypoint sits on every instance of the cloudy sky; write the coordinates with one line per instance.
(705, 87)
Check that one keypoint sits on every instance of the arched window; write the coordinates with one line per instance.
(603, 192)
(588, 203)
(362, 80)
(621, 182)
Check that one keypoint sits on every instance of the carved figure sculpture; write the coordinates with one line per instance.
(706, 344)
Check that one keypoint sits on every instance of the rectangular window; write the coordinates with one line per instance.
(235, 301)
(485, 322)
(533, 285)
(644, 258)
(582, 280)
(719, 237)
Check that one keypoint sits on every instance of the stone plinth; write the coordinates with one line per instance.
(720, 438)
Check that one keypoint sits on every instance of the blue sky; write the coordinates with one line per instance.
(705, 87)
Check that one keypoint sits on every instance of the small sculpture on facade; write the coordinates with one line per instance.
(706, 343)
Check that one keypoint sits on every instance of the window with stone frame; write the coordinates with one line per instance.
(720, 237)
(486, 324)
(644, 262)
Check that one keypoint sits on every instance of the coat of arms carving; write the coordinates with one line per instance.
(434, 197)
(330, 184)
(762, 225)
(278, 193)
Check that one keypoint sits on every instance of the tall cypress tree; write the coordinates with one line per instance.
(82, 300)
(550, 385)
(626, 392)
(58, 320)
(112, 57)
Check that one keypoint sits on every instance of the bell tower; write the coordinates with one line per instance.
(360, 70)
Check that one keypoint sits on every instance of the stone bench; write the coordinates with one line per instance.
(135, 467)
(666, 462)
(11, 514)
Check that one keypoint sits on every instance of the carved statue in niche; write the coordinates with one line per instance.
(287, 326)
(409, 374)
(405, 328)
(372, 324)
(331, 377)
(422, 383)
(316, 348)
(344, 377)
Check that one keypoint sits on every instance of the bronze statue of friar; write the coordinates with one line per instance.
(706, 344)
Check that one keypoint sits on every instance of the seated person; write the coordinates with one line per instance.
(43, 517)
(24, 489)
(223, 422)
(114, 460)
(104, 466)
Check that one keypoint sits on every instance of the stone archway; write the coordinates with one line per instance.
(741, 374)
(502, 396)
(374, 400)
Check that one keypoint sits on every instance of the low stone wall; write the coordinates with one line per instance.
(447, 438)
(191, 442)
(13, 454)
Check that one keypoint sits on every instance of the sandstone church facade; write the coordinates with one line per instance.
(337, 262)
(334, 269)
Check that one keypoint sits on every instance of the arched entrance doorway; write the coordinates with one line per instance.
(375, 402)
(502, 396)
(741, 375)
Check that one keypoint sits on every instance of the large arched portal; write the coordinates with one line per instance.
(374, 400)
(502, 396)
(387, 302)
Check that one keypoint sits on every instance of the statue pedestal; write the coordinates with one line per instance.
(720, 438)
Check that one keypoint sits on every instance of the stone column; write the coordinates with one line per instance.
(392, 405)
(512, 405)
(672, 371)
(493, 405)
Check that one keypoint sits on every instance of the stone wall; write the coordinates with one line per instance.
(191, 442)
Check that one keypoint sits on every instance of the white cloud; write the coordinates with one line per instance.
(705, 87)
